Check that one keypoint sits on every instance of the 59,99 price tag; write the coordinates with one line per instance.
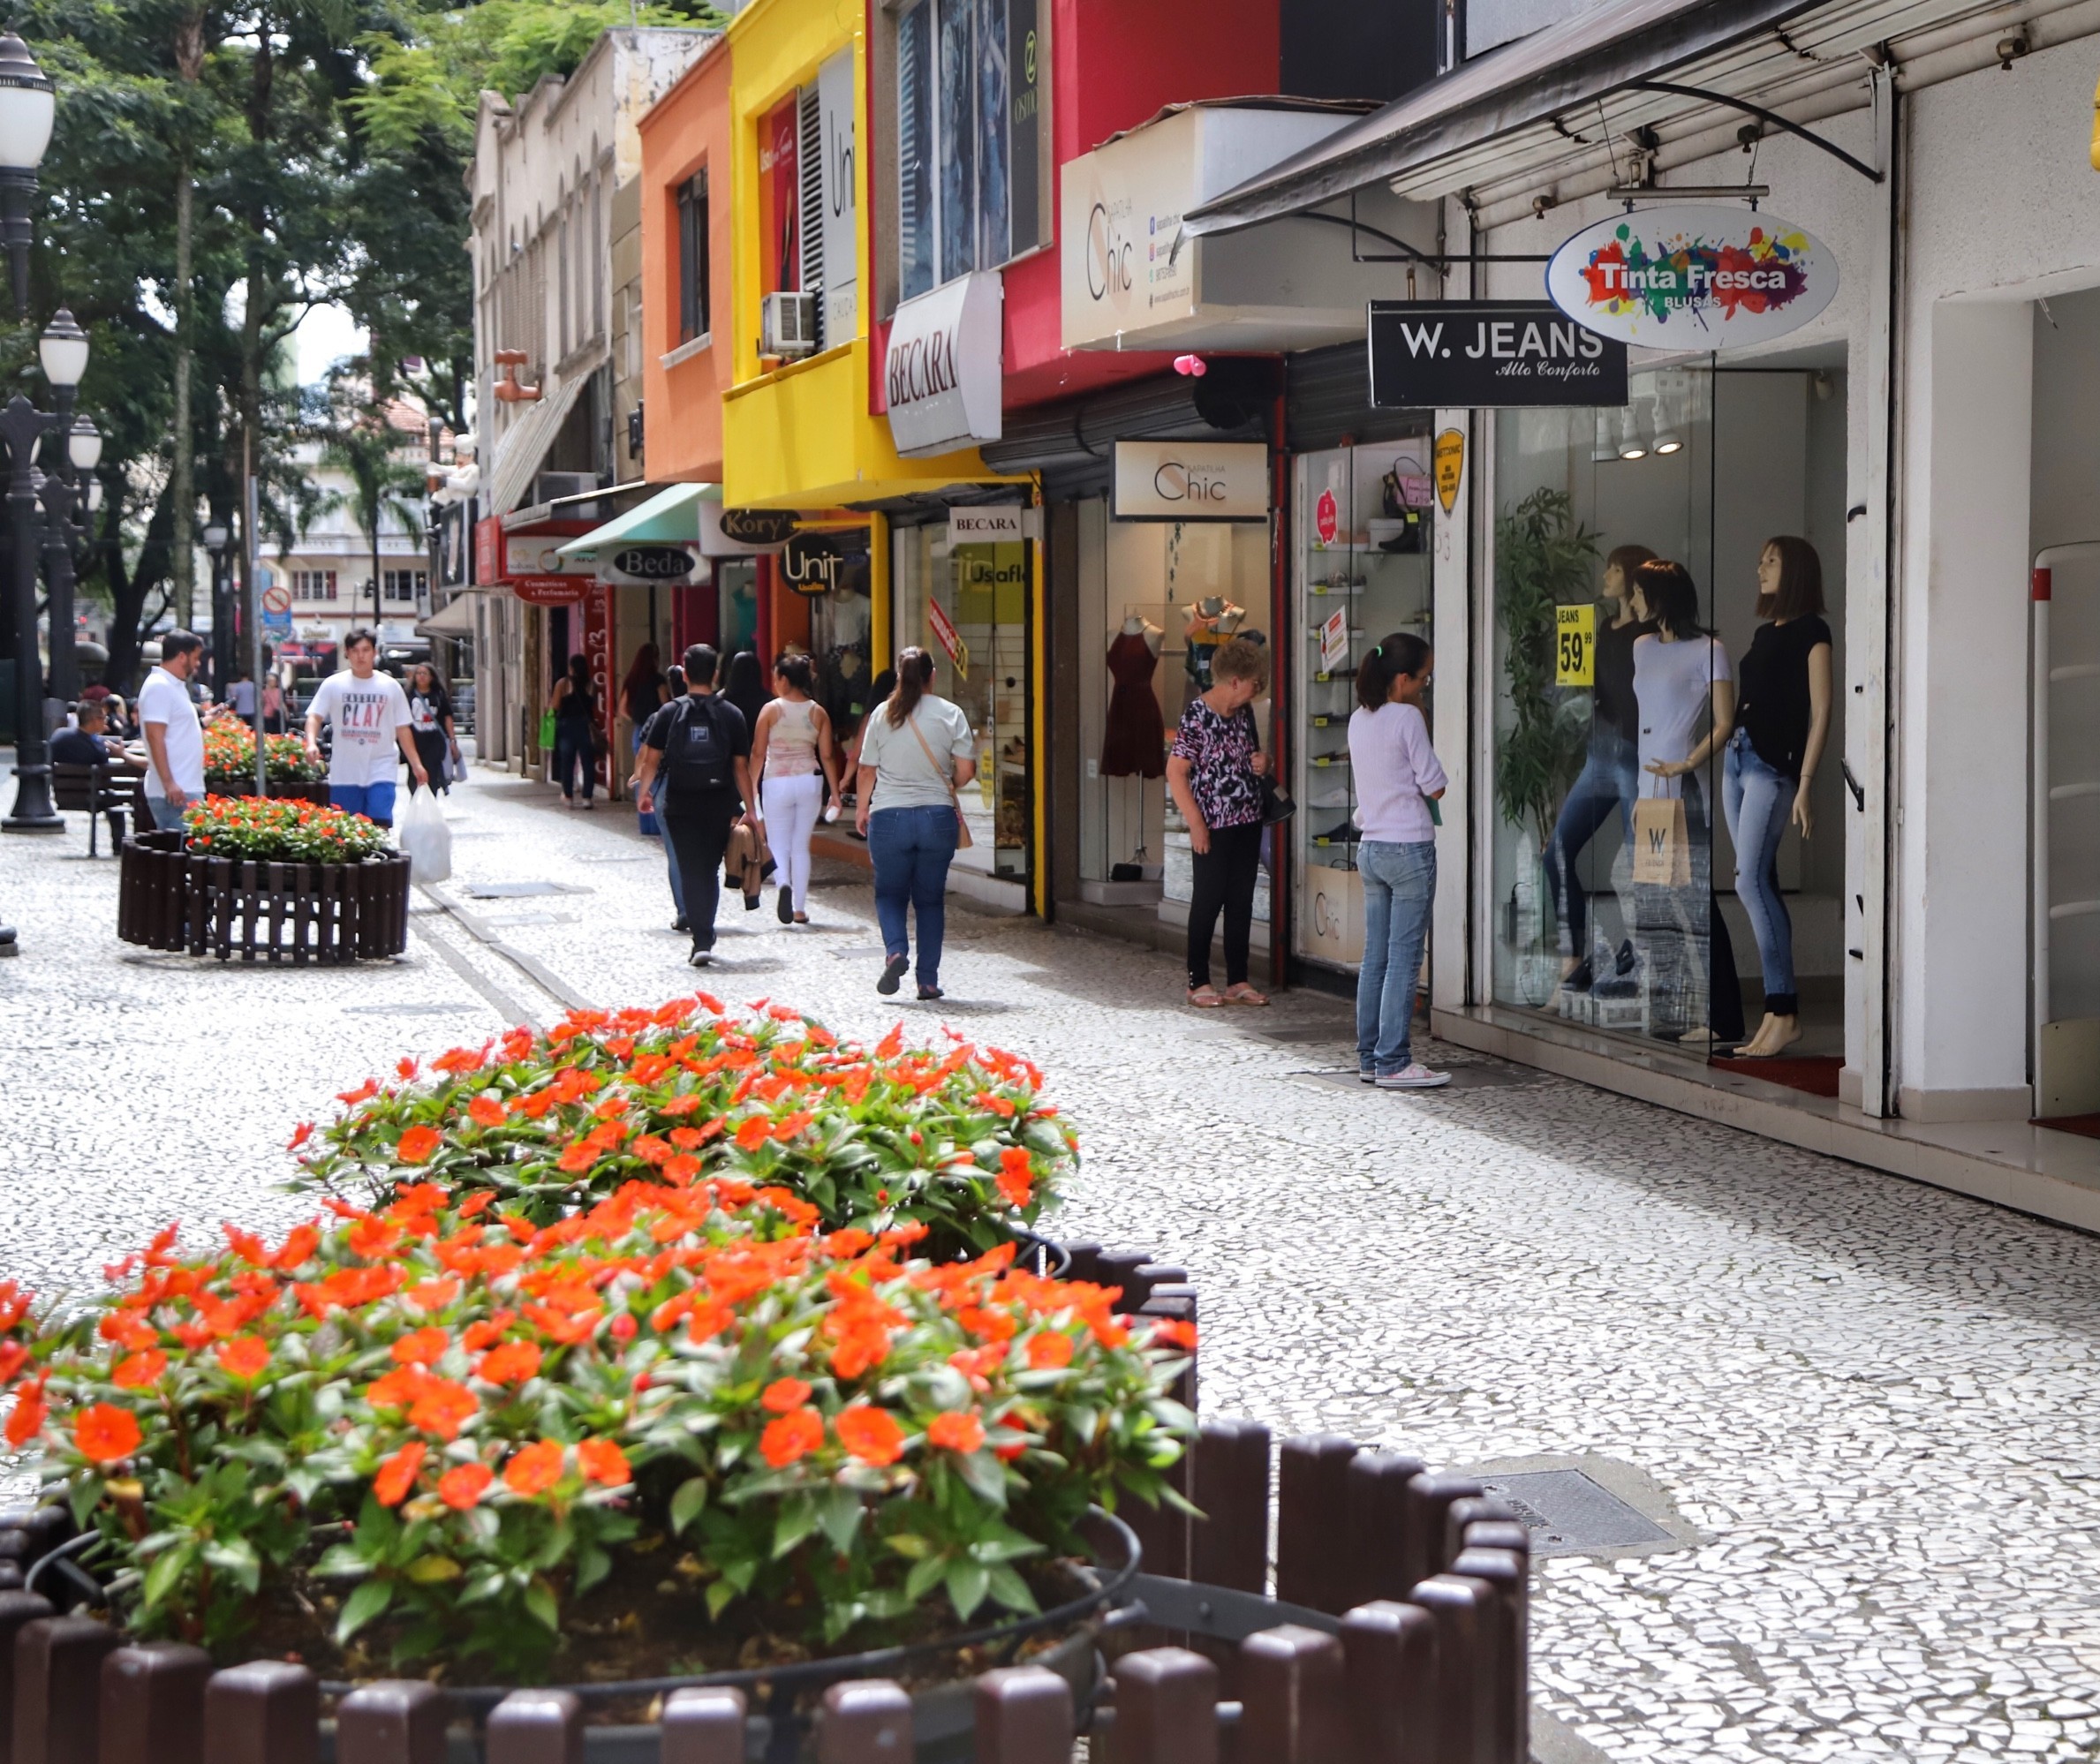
(1574, 646)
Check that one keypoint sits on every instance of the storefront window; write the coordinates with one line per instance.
(968, 606)
(839, 623)
(1363, 520)
(737, 586)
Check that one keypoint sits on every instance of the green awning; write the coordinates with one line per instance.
(671, 516)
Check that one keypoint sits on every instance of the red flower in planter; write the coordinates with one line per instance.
(512, 1363)
(535, 1469)
(462, 1486)
(104, 1433)
(136, 1371)
(245, 1356)
(397, 1475)
(602, 1461)
(784, 1395)
(418, 1144)
(954, 1430)
(790, 1438)
(870, 1433)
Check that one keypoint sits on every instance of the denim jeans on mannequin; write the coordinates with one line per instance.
(1757, 799)
(1400, 885)
(1609, 779)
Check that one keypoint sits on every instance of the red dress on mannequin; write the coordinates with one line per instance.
(1136, 744)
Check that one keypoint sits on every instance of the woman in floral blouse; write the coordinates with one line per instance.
(1215, 769)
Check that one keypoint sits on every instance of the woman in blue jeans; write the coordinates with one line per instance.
(1782, 725)
(1397, 778)
(917, 752)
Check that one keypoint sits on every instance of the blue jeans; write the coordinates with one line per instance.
(1758, 799)
(375, 802)
(166, 817)
(572, 754)
(911, 849)
(1609, 779)
(1399, 882)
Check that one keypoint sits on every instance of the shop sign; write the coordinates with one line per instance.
(1334, 640)
(1326, 518)
(1191, 480)
(815, 563)
(949, 637)
(835, 115)
(1447, 461)
(1123, 206)
(542, 556)
(1005, 525)
(549, 591)
(644, 563)
(1692, 276)
(744, 532)
(488, 549)
(1574, 646)
(940, 378)
(1489, 354)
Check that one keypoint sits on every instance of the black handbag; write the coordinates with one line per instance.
(1276, 808)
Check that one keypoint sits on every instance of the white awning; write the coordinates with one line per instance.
(523, 447)
(454, 618)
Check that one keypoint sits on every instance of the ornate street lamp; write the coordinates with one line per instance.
(216, 537)
(27, 105)
(65, 539)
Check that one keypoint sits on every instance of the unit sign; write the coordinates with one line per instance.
(1191, 481)
(653, 563)
(1489, 354)
(1692, 276)
(815, 563)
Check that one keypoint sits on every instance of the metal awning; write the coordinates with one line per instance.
(454, 618)
(671, 516)
(524, 445)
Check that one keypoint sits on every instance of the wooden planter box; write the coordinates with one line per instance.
(170, 899)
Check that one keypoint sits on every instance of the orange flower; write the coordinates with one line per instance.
(603, 1461)
(442, 1408)
(783, 1394)
(870, 1433)
(1174, 1333)
(754, 1132)
(955, 1430)
(421, 1347)
(1016, 1178)
(791, 1436)
(512, 1363)
(463, 1486)
(418, 1144)
(397, 1475)
(104, 1433)
(136, 1371)
(535, 1469)
(300, 1135)
(245, 1356)
(486, 1111)
(1049, 1349)
(30, 1412)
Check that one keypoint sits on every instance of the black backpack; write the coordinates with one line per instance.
(698, 752)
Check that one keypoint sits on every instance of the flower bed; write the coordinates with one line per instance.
(683, 1427)
(958, 1143)
(229, 759)
(270, 831)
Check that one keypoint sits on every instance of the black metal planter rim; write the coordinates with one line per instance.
(783, 1683)
(1042, 1256)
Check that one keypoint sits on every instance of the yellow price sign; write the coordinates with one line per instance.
(1574, 646)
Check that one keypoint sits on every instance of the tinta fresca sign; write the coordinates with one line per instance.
(1489, 354)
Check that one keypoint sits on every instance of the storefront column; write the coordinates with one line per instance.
(881, 640)
(1963, 763)
(1039, 721)
(1452, 448)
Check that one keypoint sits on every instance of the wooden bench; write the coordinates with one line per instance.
(96, 791)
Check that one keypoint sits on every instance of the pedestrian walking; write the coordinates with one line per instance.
(642, 693)
(370, 715)
(273, 704)
(693, 771)
(1215, 768)
(653, 824)
(174, 737)
(573, 705)
(795, 761)
(240, 696)
(744, 687)
(916, 752)
(1397, 777)
(430, 722)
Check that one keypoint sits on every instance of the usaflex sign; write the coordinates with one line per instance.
(1429, 355)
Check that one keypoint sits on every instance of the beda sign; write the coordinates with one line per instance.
(1191, 480)
(1489, 354)
(653, 563)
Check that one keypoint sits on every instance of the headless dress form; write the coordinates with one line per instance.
(1135, 744)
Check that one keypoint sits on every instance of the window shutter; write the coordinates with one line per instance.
(810, 167)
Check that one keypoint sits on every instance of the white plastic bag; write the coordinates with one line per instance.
(425, 837)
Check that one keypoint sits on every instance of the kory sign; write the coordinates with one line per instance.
(1489, 354)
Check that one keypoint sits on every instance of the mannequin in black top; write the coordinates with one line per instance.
(1609, 779)
(1782, 725)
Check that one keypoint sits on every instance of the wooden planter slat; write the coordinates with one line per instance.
(324, 912)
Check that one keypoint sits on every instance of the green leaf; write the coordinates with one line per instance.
(687, 1503)
(718, 1594)
(840, 1513)
(1011, 1590)
(592, 1565)
(370, 1598)
(987, 1477)
(908, 1544)
(925, 1576)
(342, 1560)
(968, 1581)
(166, 1573)
(429, 1570)
(539, 1601)
(236, 1558)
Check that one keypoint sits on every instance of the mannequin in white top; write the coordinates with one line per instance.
(793, 762)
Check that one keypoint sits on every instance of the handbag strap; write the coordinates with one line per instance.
(912, 723)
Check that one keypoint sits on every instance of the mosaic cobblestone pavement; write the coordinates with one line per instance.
(1873, 1400)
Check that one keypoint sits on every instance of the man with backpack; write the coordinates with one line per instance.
(694, 773)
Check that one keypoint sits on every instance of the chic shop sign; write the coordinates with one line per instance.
(1191, 480)
(1692, 276)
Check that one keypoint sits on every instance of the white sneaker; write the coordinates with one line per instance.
(1414, 1077)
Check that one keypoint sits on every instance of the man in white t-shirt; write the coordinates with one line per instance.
(174, 737)
(370, 712)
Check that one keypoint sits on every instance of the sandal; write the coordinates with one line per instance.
(1244, 994)
(1204, 998)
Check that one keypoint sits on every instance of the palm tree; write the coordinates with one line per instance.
(366, 448)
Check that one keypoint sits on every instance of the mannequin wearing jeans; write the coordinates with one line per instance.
(1397, 778)
(1782, 725)
(1609, 780)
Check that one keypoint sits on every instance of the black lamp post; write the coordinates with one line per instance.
(222, 665)
(64, 347)
(28, 107)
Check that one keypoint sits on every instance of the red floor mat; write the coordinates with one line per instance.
(2087, 1124)
(1818, 1076)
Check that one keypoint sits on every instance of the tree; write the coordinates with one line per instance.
(361, 443)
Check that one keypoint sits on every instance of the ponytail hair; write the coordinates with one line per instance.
(794, 667)
(915, 673)
(1402, 653)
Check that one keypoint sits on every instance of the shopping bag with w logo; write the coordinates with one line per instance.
(1662, 843)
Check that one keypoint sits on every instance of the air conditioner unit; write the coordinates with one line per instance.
(788, 325)
(551, 486)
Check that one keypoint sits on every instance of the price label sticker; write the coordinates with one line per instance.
(1574, 646)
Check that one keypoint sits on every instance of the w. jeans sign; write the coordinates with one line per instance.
(1489, 354)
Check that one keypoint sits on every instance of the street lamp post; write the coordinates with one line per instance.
(28, 107)
(222, 614)
(63, 350)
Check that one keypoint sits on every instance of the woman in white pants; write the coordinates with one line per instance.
(795, 764)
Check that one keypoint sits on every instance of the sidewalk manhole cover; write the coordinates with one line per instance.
(514, 891)
(1570, 1513)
